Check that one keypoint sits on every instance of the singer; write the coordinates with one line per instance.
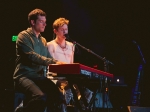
(63, 50)
(59, 47)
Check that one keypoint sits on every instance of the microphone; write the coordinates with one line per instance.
(69, 39)
(66, 35)
(134, 42)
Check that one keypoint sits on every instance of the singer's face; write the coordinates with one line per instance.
(61, 31)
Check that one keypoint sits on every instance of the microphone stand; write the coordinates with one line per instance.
(140, 74)
(106, 69)
(106, 62)
(141, 54)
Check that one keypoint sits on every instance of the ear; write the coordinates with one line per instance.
(32, 22)
(55, 31)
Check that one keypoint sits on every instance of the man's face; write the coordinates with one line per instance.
(39, 24)
(61, 31)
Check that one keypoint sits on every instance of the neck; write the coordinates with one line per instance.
(35, 32)
(60, 41)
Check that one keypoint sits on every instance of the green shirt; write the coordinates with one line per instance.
(32, 55)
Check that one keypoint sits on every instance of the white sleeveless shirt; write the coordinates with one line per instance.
(61, 54)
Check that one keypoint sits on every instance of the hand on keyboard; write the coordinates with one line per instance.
(60, 62)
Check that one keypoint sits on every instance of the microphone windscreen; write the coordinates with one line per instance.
(66, 35)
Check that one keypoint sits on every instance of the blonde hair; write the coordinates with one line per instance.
(60, 22)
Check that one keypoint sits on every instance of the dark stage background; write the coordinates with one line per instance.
(108, 28)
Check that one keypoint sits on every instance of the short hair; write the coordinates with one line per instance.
(60, 22)
(33, 15)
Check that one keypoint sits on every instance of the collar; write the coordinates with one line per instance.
(32, 33)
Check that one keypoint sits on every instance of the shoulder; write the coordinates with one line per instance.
(23, 36)
(27, 32)
(51, 43)
(69, 43)
(43, 39)
(23, 33)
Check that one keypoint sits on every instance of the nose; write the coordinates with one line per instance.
(65, 31)
(43, 23)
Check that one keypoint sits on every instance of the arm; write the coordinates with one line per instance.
(50, 49)
(25, 49)
(72, 57)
